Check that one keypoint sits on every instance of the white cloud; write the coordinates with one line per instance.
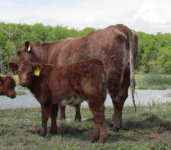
(155, 12)
(142, 15)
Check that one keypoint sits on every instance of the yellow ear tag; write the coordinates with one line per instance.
(37, 71)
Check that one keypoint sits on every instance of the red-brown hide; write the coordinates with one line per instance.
(68, 85)
(115, 46)
(7, 86)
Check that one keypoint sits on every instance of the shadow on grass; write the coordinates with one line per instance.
(144, 121)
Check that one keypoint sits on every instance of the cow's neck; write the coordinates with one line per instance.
(41, 54)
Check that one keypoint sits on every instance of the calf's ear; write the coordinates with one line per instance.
(13, 66)
(9, 74)
(27, 46)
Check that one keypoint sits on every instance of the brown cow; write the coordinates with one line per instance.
(7, 86)
(67, 85)
(115, 46)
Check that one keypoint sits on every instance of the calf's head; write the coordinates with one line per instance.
(27, 72)
(25, 53)
(7, 86)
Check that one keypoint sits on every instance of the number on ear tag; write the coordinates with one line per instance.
(37, 71)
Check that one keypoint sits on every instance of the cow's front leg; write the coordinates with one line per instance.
(45, 110)
(77, 113)
(53, 115)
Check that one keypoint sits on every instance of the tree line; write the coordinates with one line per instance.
(154, 55)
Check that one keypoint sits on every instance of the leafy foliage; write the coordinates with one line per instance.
(154, 54)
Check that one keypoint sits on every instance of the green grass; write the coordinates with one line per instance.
(153, 81)
(148, 128)
(21, 92)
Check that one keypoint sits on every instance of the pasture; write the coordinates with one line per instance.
(148, 128)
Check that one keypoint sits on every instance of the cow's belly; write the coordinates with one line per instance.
(73, 101)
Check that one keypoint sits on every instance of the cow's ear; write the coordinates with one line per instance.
(13, 66)
(27, 46)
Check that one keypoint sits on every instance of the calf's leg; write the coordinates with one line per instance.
(100, 130)
(53, 115)
(45, 110)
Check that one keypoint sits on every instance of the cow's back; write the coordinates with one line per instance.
(105, 45)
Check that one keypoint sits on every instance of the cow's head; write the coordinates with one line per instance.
(27, 72)
(25, 53)
(7, 86)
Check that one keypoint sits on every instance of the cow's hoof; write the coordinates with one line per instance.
(77, 118)
(53, 131)
(116, 129)
(42, 132)
(94, 140)
(111, 124)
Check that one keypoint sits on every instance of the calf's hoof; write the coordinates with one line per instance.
(102, 140)
(42, 132)
(95, 136)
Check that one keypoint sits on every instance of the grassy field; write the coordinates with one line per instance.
(147, 129)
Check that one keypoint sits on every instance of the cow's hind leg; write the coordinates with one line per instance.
(100, 130)
(77, 112)
(119, 94)
(53, 115)
(62, 112)
(118, 103)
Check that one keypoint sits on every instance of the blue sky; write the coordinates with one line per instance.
(149, 16)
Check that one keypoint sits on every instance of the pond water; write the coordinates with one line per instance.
(142, 97)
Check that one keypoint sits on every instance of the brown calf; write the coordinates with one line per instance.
(7, 86)
(53, 86)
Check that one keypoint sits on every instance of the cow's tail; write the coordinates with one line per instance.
(133, 43)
